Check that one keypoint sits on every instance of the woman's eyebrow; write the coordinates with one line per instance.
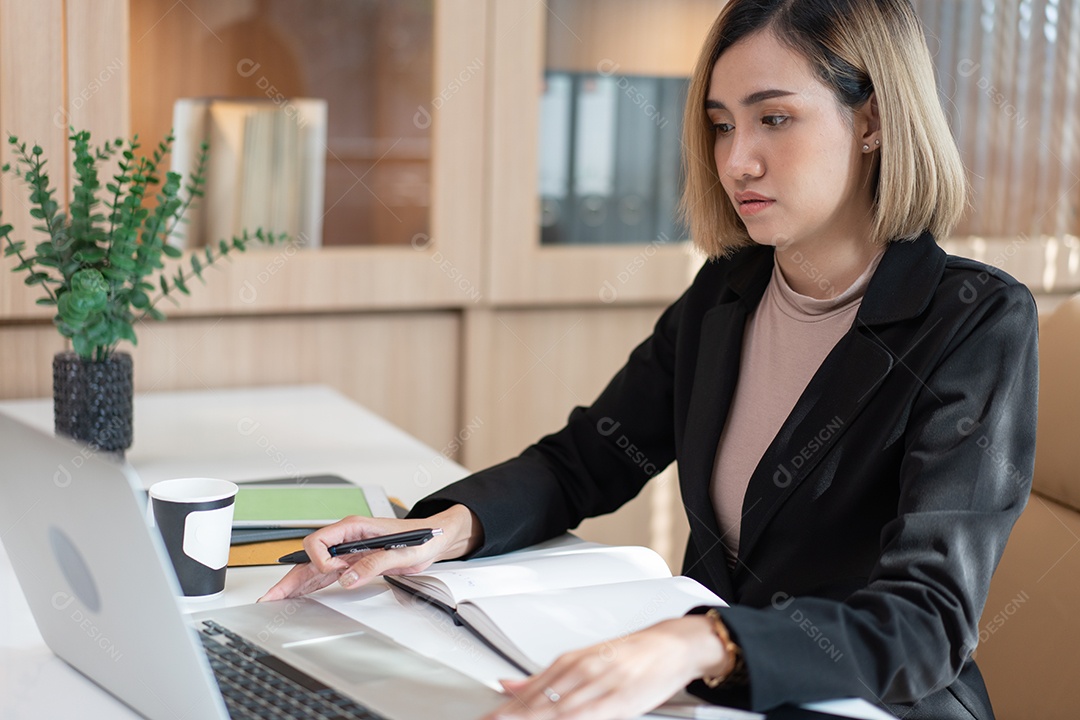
(751, 99)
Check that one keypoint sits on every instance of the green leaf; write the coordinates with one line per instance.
(69, 311)
(62, 327)
(123, 263)
(14, 248)
(89, 282)
(45, 301)
(180, 285)
(126, 332)
(82, 346)
(101, 333)
(171, 250)
(91, 255)
(89, 295)
(196, 266)
(155, 313)
(164, 285)
(114, 275)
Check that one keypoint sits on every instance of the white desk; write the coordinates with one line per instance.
(242, 435)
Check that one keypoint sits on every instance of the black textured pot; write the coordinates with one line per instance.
(92, 401)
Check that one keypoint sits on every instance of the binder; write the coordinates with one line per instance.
(636, 136)
(669, 168)
(556, 107)
(593, 159)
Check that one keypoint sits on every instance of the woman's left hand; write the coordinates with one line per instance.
(620, 678)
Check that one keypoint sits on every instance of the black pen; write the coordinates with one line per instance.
(410, 538)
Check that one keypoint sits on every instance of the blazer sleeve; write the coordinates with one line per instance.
(964, 480)
(601, 459)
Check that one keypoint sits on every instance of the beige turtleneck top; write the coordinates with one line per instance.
(786, 340)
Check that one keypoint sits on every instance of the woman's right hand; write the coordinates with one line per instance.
(461, 534)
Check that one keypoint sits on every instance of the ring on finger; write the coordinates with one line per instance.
(551, 695)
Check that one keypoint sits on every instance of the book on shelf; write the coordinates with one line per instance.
(533, 605)
(267, 167)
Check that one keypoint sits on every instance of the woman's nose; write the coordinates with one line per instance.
(744, 158)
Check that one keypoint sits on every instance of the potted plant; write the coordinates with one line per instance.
(100, 266)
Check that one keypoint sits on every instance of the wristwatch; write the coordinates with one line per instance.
(737, 675)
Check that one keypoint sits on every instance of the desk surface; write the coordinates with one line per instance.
(251, 434)
(259, 433)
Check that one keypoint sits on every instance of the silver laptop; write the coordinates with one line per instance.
(104, 597)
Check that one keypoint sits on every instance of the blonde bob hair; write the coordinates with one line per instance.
(857, 48)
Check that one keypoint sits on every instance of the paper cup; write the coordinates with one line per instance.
(194, 517)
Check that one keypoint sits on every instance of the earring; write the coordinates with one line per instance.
(877, 142)
(866, 148)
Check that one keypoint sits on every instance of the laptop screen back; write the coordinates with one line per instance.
(91, 570)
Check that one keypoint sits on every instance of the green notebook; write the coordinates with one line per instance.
(307, 505)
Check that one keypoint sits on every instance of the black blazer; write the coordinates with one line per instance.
(875, 518)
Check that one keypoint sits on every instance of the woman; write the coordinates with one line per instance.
(836, 390)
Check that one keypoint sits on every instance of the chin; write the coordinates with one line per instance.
(772, 239)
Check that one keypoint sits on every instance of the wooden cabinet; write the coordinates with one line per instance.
(87, 64)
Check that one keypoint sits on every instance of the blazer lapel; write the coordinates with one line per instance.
(715, 376)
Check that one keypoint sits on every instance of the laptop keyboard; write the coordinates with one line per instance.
(256, 684)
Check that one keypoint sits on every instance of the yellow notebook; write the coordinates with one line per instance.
(262, 553)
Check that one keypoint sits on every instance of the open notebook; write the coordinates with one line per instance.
(532, 606)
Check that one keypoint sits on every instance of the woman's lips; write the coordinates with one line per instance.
(753, 207)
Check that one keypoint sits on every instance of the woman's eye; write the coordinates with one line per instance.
(774, 120)
(723, 128)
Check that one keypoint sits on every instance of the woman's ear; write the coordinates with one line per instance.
(868, 125)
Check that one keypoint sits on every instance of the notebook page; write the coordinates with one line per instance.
(535, 629)
(533, 571)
